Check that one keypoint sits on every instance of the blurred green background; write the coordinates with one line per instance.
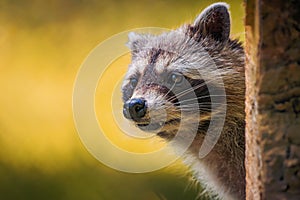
(42, 44)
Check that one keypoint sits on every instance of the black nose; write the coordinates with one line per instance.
(135, 109)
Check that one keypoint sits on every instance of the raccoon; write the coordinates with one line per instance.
(173, 78)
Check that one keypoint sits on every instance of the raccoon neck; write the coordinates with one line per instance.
(222, 171)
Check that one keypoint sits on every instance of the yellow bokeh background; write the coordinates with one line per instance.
(42, 46)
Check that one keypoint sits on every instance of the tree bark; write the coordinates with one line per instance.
(273, 99)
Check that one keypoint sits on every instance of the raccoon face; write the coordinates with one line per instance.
(161, 89)
(170, 73)
(156, 98)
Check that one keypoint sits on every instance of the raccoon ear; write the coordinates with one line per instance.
(213, 22)
(135, 41)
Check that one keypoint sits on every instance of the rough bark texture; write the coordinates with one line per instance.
(273, 99)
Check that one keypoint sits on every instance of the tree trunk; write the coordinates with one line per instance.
(273, 99)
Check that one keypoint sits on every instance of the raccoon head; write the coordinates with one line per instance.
(174, 74)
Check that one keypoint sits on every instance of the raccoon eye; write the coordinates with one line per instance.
(133, 82)
(175, 78)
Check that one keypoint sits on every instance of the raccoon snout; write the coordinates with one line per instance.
(135, 109)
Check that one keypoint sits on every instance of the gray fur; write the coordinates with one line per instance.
(187, 50)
